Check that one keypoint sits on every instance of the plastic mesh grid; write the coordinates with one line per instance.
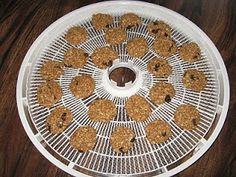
(143, 157)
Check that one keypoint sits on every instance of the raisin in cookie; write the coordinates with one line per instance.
(76, 35)
(115, 36)
(58, 120)
(137, 47)
(101, 21)
(102, 110)
(75, 58)
(164, 47)
(49, 93)
(130, 20)
(158, 131)
(190, 52)
(162, 92)
(194, 79)
(137, 108)
(84, 138)
(187, 116)
(51, 70)
(82, 86)
(159, 67)
(122, 139)
(103, 57)
(159, 29)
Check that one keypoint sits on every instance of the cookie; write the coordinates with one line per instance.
(49, 93)
(187, 116)
(159, 67)
(101, 21)
(51, 70)
(190, 52)
(102, 110)
(130, 20)
(58, 120)
(84, 138)
(82, 86)
(103, 57)
(158, 131)
(194, 79)
(162, 92)
(137, 47)
(122, 139)
(115, 36)
(75, 58)
(164, 47)
(159, 29)
(137, 108)
(76, 35)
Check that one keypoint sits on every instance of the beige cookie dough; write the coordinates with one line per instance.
(159, 67)
(162, 92)
(115, 36)
(51, 70)
(137, 108)
(84, 138)
(101, 21)
(190, 52)
(49, 93)
(159, 29)
(102, 110)
(58, 120)
(75, 58)
(76, 35)
(187, 116)
(130, 20)
(82, 86)
(103, 57)
(194, 79)
(137, 47)
(122, 139)
(158, 131)
(164, 47)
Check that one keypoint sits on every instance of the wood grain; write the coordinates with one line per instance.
(21, 21)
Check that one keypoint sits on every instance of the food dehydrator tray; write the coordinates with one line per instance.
(168, 158)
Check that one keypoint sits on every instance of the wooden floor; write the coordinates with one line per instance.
(21, 21)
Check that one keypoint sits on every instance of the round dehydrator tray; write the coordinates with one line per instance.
(181, 150)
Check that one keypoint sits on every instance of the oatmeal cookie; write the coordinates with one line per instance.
(82, 86)
(194, 79)
(49, 93)
(159, 29)
(159, 67)
(187, 116)
(102, 110)
(137, 47)
(101, 21)
(76, 35)
(164, 47)
(130, 20)
(162, 92)
(58, 120)
(84, 138)
(115, 36)
(103, 57)
(122, 139)
(75, 58)
(190, 52)
(137, 108)
(51, 70)
(158, 131)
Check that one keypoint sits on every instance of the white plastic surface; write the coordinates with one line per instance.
(47, 38)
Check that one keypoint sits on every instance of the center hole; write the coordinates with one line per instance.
(122, 75)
